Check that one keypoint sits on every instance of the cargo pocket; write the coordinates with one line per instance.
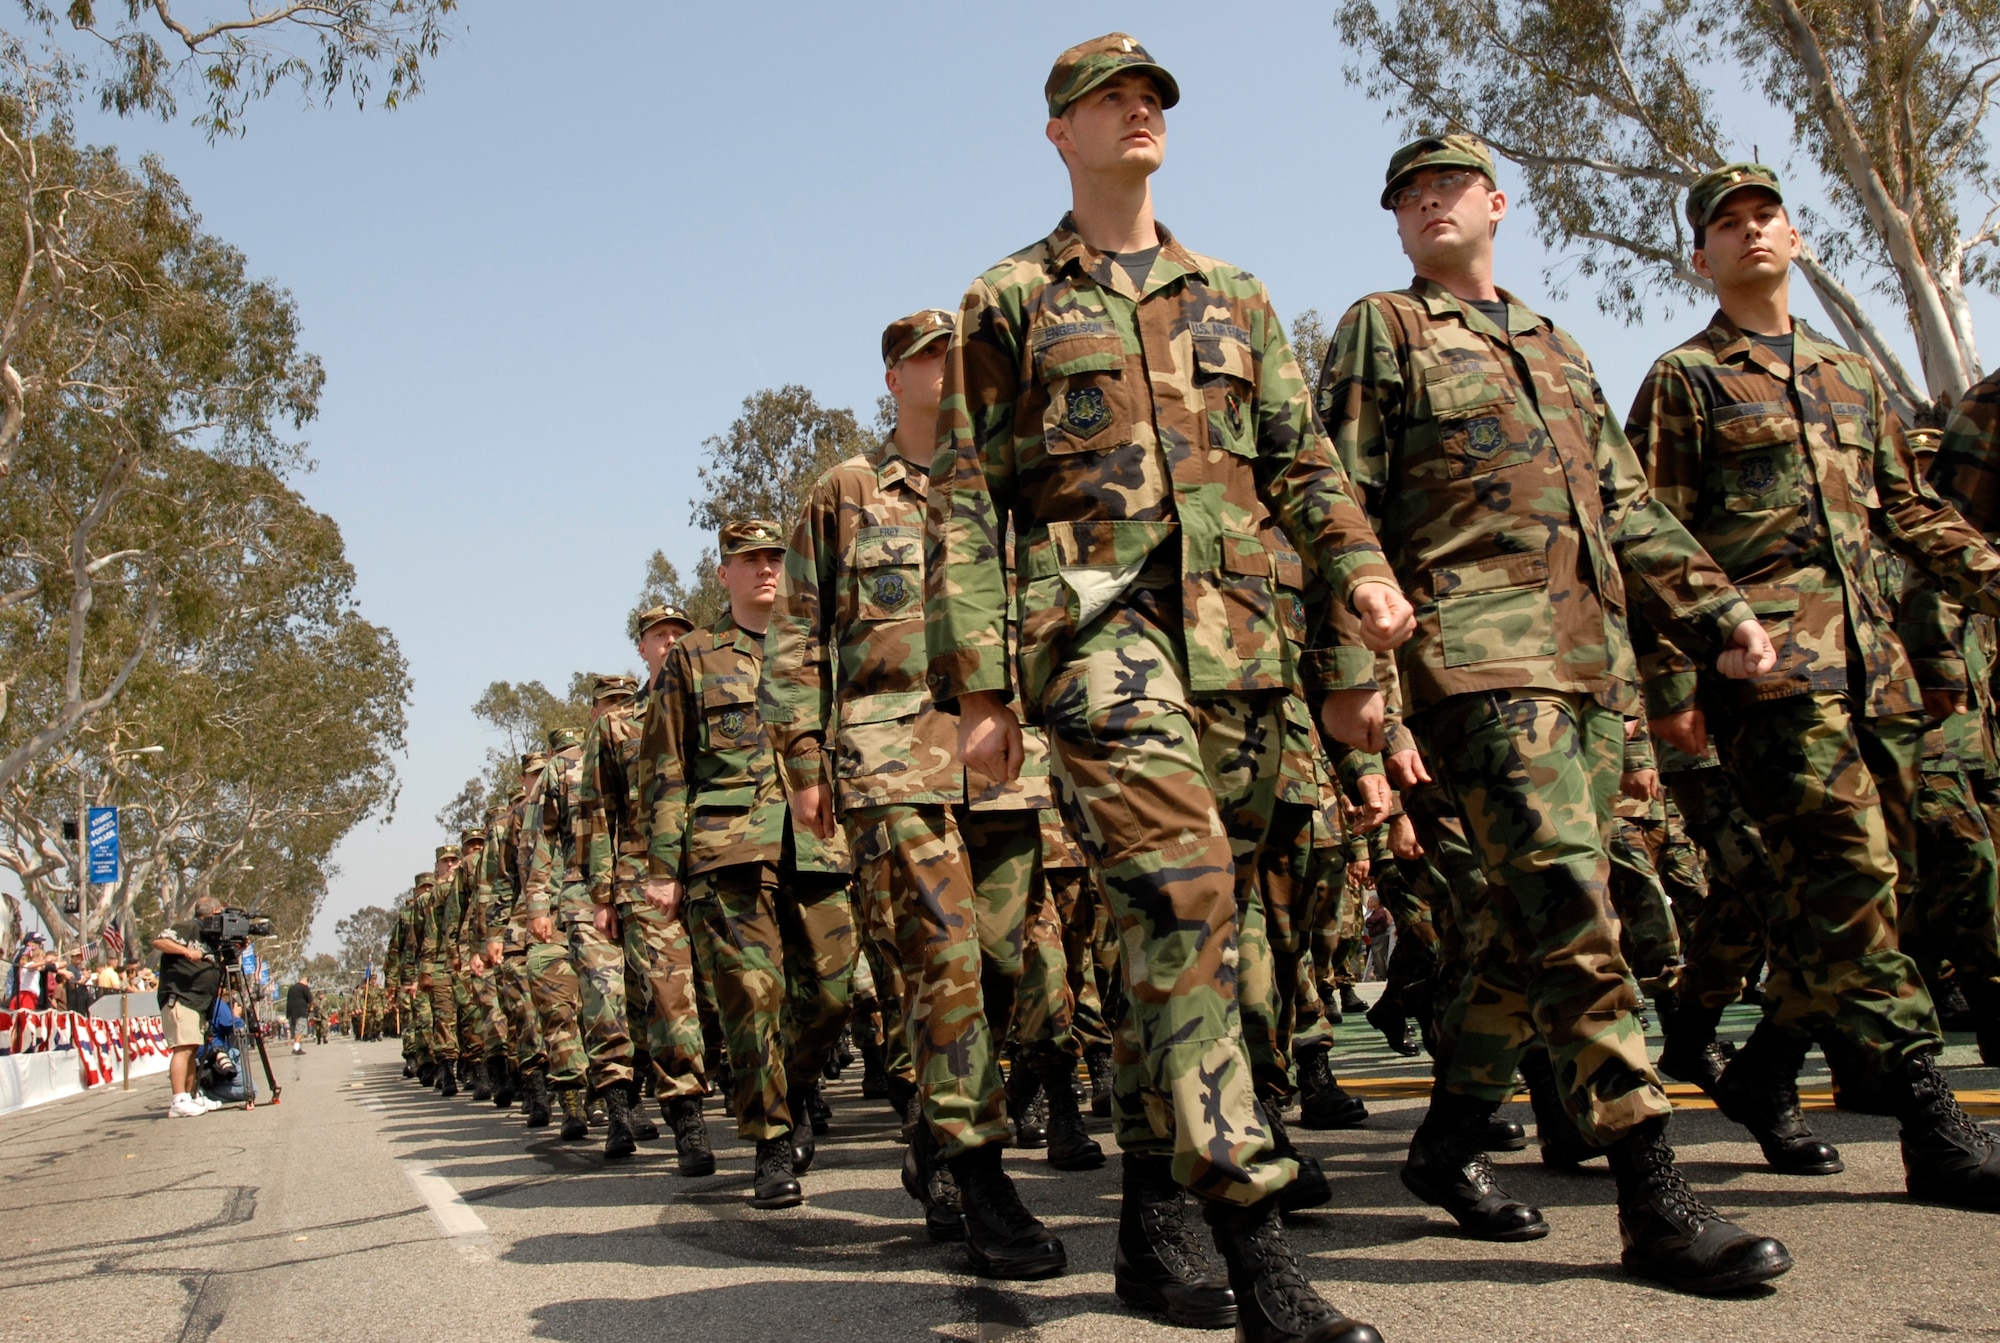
(729, 720)
(1496, 609)
(1091, 405)
(889, 573)
(1226, 373)
(1758, 457)
(1478, 429)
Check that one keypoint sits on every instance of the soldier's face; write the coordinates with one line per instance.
(751, 578)
(657, 642)
(1118, 127)
(1451, 218)
(917, 383)
(1750, 239)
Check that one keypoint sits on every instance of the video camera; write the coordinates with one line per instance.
(227, 931)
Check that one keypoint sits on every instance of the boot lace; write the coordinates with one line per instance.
(1670, 1192)
(1288, 1287)
(1173, 1240)
(1000, 1207)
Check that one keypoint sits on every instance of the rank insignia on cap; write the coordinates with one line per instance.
(1759, 475)
(891, 591)
(1084, 411)
(731, 723)
(1483, 437)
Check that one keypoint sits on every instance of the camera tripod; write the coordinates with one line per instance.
(234, 979)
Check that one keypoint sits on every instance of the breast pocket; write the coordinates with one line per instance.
(888, 573)
(1479, 428)
(1857, 452)
(729, 720)
(1225, 371)
(1495, 609)
(1757, 457)
(1092, 404)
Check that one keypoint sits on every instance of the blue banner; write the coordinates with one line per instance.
(249, 963)
(103, 828)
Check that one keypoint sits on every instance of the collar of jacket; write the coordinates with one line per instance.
(1731, 345)
(1441, 301)
(1071, 252)
(729, 634)
(891, 466)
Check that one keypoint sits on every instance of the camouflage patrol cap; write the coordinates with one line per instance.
(445, 851)
(534, 760)
(562, 738)
(426, 879)
(1436, 151)
(619, 686)
(1088, 64)
(1705, 197)
(468, 838)
(750, 534)
(1923, 442)
(661, 615)
(906, 335)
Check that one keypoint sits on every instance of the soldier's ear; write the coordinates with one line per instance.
(1700, 263)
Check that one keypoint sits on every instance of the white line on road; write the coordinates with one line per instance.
(460, 1224)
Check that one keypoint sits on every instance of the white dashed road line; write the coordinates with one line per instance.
(459, 1223)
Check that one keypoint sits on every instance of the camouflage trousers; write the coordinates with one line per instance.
(1832, 794)
(1952, 918)
(552, 990)
(1647, 937)
(1533, 774)
(660, 1002)
(471, 1022)
(444, 1015)
(959, 917)
(1078, 913)
(417, 1027)
(1722, 935)
(1171, 794)
(887, 992)
(780, 947)
(486, 1012)
(1284, 899)
(1025, 983)
(517, 1003)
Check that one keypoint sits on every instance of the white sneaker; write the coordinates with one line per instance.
(207, 1102)
(186, 1107)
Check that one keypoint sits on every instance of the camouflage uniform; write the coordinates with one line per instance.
(433, 966)
(1139, 438)
(1723, 939)
(1648, 937)
(552, 888)
(767, 905)
(1513, 510)
(846, 705)
(499, 897)
(1791, 475)
(654, 973)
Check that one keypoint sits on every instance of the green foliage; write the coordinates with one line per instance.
(1311, 342)
(364, 941)
(778, 446)
(703, 600)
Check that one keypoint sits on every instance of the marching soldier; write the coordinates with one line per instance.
(434, 973)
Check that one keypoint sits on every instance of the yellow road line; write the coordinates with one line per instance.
(1985, 1104)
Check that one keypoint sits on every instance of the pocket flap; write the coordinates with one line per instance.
(1756, 424)
(1105, 542)
(1244, 555)
(1220, 348)
(1495, 575)
(1771, 599)
(882, 708)
(727, 690)
(878, 546)
(726, 799)
(1459, 389)
(1290, 569)
(1077, 347)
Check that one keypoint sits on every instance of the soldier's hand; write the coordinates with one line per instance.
(1750, 653)
(1354, 718)
(1359, 871)
(605, 919)
(494, 951)
(1686, 731)
(1941, 704)
(663, 894)
(1403, 841)
(989, 736)
(1406, 770)
(1386, 617)
(813, 806)
(1641, 785)
(1376, 802)
(542, 928)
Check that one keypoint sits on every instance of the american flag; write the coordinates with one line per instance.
(114, 941)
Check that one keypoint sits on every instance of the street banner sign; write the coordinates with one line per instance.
(103, 823)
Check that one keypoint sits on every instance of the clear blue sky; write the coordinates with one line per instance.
(538, 287)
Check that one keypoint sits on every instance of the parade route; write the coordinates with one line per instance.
(366, 1208)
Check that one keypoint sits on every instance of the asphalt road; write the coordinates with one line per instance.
(363, 1208)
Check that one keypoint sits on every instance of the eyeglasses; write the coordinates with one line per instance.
(1444, 186)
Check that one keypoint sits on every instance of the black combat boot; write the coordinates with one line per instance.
(899, 1092)
(1322, 1104)
(427, 1074)
(1309, 1189)
(1070, 1145)
(1097, 1058)
(775, 1187)
(1351, 1002)
(447, 1080)
(684, 1117)
(642, 1126)
(804, 1149)
(1691, 1053)
(1003, 1238)
(409, 1066)
(1447, 1168)
(576, 1123)
(1946, 1157)
(536, 1084)
(1024, 1090)
(1503, 1135)
(594, 1113)
(500, 1081)
(1274, 1302)
(874, 1075)
(1672, 1236)
(1954, 1008)
(1760, 1090)
(619, 1141)
(820, 1112)
(471, 1072)
(1562, 1143)
(482, 1079)
(1388, 1017)
(1161, 1267)
(930, 1182)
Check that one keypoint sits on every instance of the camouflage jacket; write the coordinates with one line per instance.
(1967, 470)
(1950, 651)
(608, 796)
(710, 782)
(1791, 475)
(1508, 501)
(846, 644)
(500, 877)
(1124, 429)
(554, 839)
(429, 937)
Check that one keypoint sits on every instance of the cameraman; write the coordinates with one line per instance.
(189, 978)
